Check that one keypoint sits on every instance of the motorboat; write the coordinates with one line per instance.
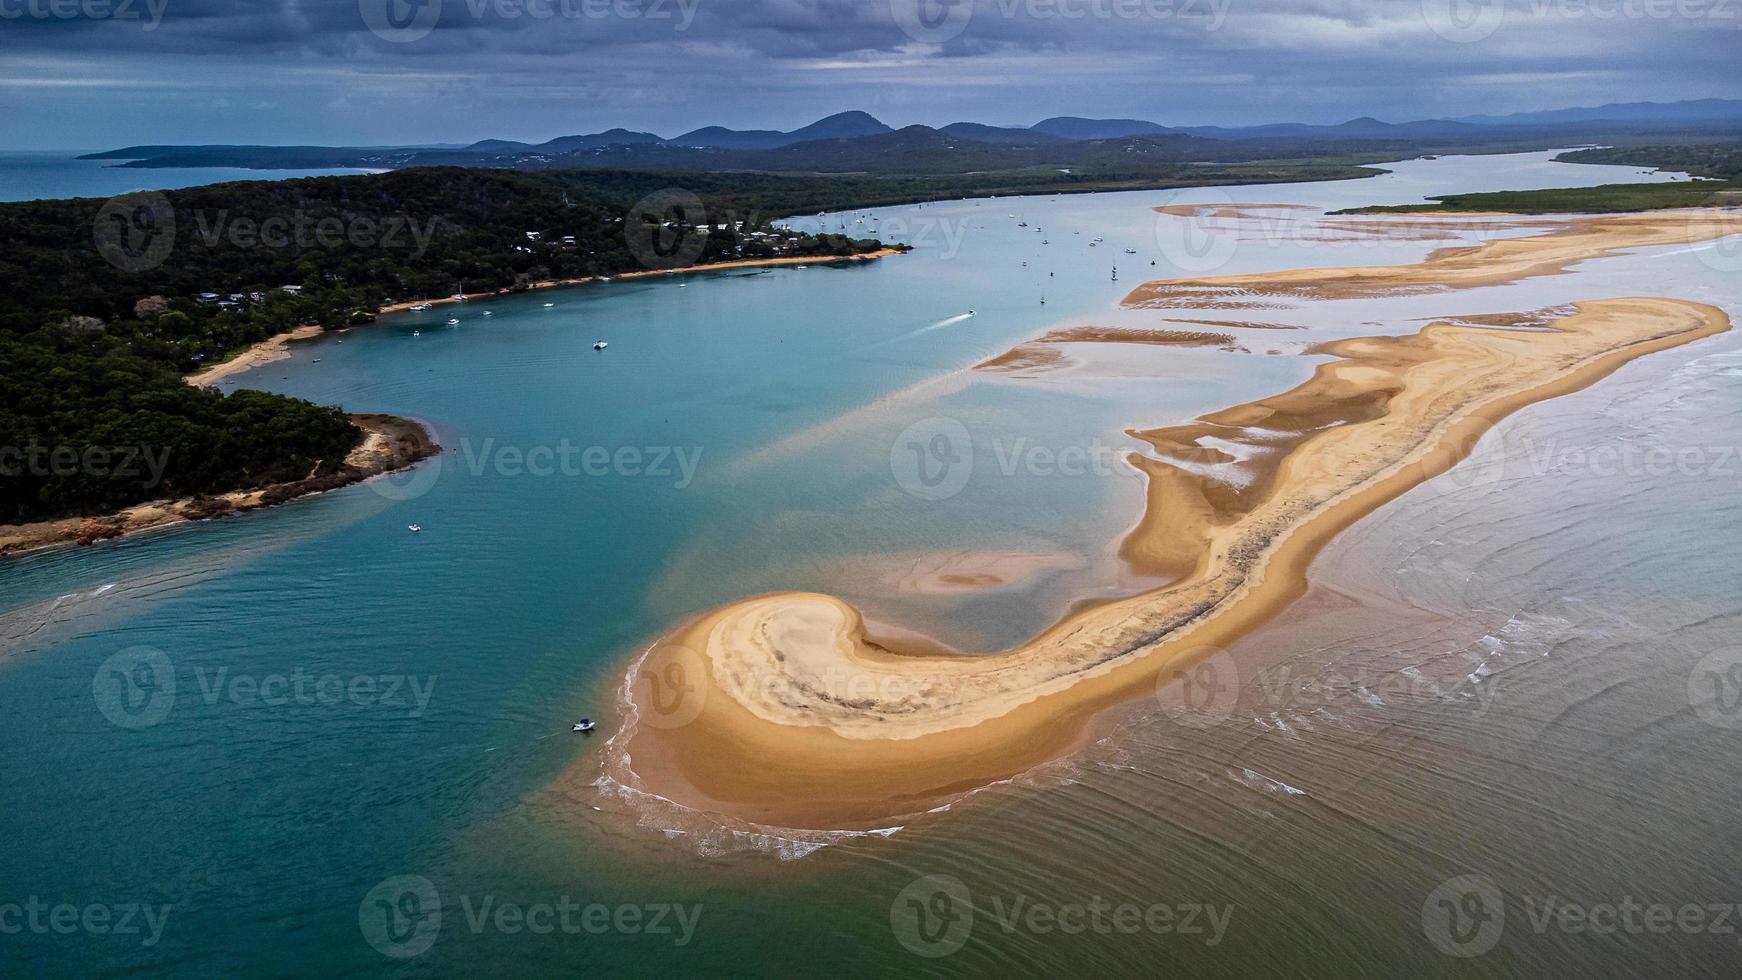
(601, 345)
(414, 528)
(585, 725)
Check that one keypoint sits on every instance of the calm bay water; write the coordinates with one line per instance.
(753, 425)
(30, 175)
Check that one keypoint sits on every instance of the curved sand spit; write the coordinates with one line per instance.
(781, 710)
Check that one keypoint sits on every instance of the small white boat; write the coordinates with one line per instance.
(549, 305)
(585, 725)
(417, 333)
(601, 345)
(453, 322)
(489, 313)
(414, 528)
(1130, 251)
(971, 312)
(419, 308)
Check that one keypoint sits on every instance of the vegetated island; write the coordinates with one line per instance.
(1720, 164)
(784, 710)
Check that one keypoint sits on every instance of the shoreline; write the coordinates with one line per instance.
(793, 716)
(779, 260)
(274, 348)
(277, 347)
(390, 444)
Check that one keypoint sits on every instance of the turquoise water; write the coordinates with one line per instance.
(30, 175)
(752, 430)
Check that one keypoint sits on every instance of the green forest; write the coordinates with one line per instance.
(108, 303)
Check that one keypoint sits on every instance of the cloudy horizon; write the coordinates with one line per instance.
(93, 74)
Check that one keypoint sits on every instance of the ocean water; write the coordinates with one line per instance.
(330, 704)
(33, 174)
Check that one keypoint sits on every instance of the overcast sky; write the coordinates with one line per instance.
(104, 73)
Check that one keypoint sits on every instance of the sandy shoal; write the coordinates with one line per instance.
(1490, 264)
(782, 710)
(276, 348)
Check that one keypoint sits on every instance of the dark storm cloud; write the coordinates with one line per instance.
(393, 70)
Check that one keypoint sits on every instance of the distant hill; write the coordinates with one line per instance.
(1000, 134)
(851, 142)
(1646, 113)
(844, 125)
(1077, 128)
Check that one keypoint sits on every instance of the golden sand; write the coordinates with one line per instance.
(1464, 267)
(782, 709)
(276, 348)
